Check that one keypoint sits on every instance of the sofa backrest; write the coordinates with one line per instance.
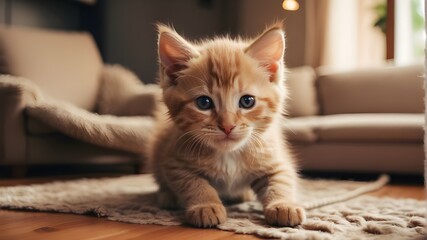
(388, 89)
(302, 96)
(65, 65)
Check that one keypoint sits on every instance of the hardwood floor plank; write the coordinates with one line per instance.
(401, 191)
(132, 232)
(28, 225)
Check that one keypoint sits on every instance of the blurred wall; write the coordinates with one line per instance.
(254, 15)
(2, 11)
(125, 30)
(52, 14)
(129, 35)
(41, 13)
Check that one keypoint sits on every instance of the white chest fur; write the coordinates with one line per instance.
(231, 175)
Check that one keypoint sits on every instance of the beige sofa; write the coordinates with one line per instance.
(65, 66)
(366, 120)
(369, 120)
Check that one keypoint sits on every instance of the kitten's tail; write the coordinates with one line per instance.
(369, 187)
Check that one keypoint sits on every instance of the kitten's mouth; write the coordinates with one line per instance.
(228, 138)
(227, 143)
(230, 141)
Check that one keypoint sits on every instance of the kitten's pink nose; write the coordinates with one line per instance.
(226, 128)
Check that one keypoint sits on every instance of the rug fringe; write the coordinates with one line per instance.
(369, 187)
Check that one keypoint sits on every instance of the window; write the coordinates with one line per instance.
(409, 34)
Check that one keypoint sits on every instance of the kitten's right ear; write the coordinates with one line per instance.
(269, 49)
(174, 51)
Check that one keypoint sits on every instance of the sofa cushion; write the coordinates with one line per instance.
(302, 99)
(122, 93)
(65, 65)
(388, 89)
(371, 127)
(374, 157)
(301, 129)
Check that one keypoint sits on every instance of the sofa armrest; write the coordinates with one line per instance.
(15, 94)
(122, 93)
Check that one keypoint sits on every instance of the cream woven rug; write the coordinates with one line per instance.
(334, 210)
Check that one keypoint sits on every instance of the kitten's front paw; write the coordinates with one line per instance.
(206, 215)
(284, 214)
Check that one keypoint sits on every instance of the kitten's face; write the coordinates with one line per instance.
(221, 93)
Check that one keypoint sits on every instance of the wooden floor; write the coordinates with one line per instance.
(37, 225)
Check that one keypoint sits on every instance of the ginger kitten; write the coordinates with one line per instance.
(224, 141)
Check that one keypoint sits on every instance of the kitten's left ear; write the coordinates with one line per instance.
(174, 51)
(269, 49)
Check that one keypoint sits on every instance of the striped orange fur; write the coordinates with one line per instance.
(229, 150)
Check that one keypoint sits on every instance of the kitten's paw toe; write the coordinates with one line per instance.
(206, 215)
(284, 214)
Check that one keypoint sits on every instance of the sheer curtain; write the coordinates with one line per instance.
(340, 34)
(316, 26)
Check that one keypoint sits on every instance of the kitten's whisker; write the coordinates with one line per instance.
(204, 142)
(288, 128)
(186, 133)
(189, 143)
(186, 140)
(199, 142)
(258, 141)
(189, 150)
(254, 154)
(194, 145)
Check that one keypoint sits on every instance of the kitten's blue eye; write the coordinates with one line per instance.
(247, 101)
(204, 103)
